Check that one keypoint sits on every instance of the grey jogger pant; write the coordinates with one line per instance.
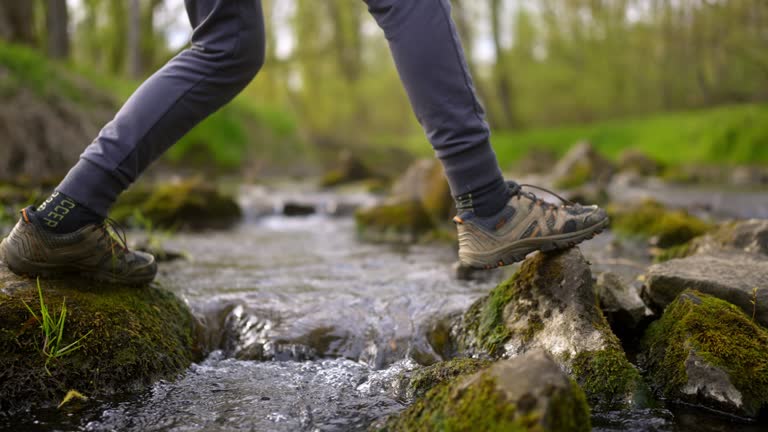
(226, 53)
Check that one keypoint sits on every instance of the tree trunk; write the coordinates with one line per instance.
(17, 19)
(135, 67)
(501, 71)
(57, 23)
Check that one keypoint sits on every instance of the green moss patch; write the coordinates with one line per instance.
(480, 403)
(652, 219)
(427, 378)
(485, 319)
(479, 407)
(191, 203)
(717, 331)
(138, 336)
(607, 378)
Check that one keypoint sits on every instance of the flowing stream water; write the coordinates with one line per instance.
(308, 329)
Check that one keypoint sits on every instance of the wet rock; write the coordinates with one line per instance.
(590, 193)
(708, 352)
(664, 227)
(158, 250)
(697, 174)
(349, 168)
(621, 303)
(186, 204)
(734, 277)
(750, 236)
(425, 182)
(637, 162)
(749, 176)
(394, 222)
(582, 164)
(298, 209)
(420, 203)
(135, 336)
(549, 303)
(529, 393)
(423, 380)
(247, 336)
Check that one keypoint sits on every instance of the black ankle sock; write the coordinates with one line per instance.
(486, 200)
(62, 215)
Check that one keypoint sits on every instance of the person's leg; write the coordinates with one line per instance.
(226, 53)
(429, 57)
(498, 223)
(66, 233)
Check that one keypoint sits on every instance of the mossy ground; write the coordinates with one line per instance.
(720, 333)
(138, 335)
(651, 219)
(191, 203)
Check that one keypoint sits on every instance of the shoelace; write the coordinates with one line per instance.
(116, 233)
(533, 196)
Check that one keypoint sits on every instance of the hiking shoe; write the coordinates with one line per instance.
(96, 251)
(525, 225)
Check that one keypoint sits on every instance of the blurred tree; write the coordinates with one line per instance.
(17, 19)
(57, 29)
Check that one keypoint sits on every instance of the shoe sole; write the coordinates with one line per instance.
(23, 267)
(518, 250)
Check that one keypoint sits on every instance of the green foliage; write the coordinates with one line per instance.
(52, 326)
(720, 333)
(652, 219)
(31, 69)
(731, 134)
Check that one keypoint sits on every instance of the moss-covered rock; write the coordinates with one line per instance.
(706, 351)
(651, 219)
(423, 380)
(420, 208)
(549, 303)
(191, 204)
(749, 236)
(394, 222)
(738, 278)
(135, 336)
(529, 393)
(581, 165)
(349, 168)
(636, 162)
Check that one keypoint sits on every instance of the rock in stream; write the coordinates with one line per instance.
(549, 303)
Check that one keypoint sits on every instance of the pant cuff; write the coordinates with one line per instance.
(92, 187)
(471, 170)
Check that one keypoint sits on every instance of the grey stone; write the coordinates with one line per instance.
(583, 158)
(710, 382)
(550, 304)
(732, 277)
(528, 393)
(621, 303)
(749, 236)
